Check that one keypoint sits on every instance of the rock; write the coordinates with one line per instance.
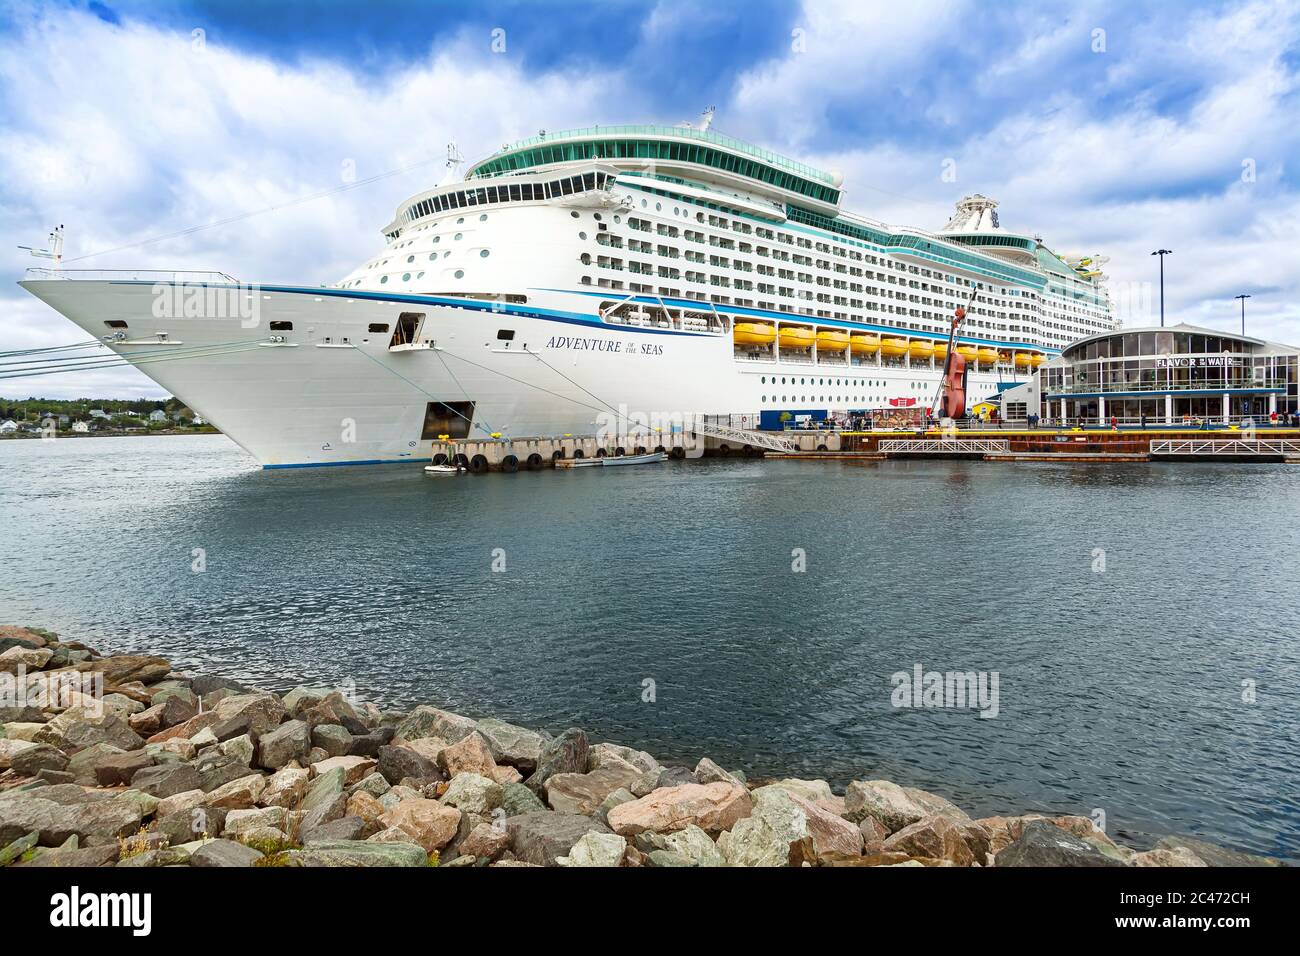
(1042, 844)
(11, 748)
(367, 745)
(241, 794)
(397, 763)
(180, 802)
(895, 806)
(505, 774)
(76, 729)
(83, 762)
(367, 853)
(1212, 855)
(431, 722)
(325, 800)
(255, 714)
(543, 837)
(97, 820)
(185, 729)
(595, 849)
(118, 770)
(355, 769)
(239, 749)
(216, 769)
(373, 784)
(706, 771)
(123, 668)
(470, 755)
(486, 841)
(344, 828)
(366, 806)
(285, 788)
(300, 698)
(77, 858)
(935, 837)
(615, 799)
(158, 856)
(333, 708)
(11, 635)
(195, 823)
(713, 807)
(30, 759)
(874, 834)
(473, 793)
(786, 827)
(166, 780)
(334, 739)
(28, 658)
(1178, 856)
(428, 822)
(18, 731)
(203, 685)
(516, 799)
(673, 777)
(224, 853)
(167, 713)
(24, 843)
(599, 754)
(515, 746)
(668, 858)
(689, 846)
(239, 822)
(567, 753)
(585, 792)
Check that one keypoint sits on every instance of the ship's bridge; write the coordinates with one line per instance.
(681, 150)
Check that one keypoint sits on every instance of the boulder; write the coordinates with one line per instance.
(98, 820)
(567, 753)
(241, 794)
(77, 728)
(186, 826)
(706, 771)
(185, 729)
(367, 745)
(513, 745)
(256, 714)
(373, 784)
(24, 843)
(117, 770)
(585, 792)
(428, 822)
(937, 838)
(29, 759)
(689, 846)
(595, 849)
(28, 658)
(1178, 856)
(285, 788)
(895, 806)
(397, 763)
(355, 769)
(334, 739)
(787, 827)
(344, 828)
(1042, 844)
(365, 853)
(543, 837)
(76, 858)
(473, 793)
(241, 749)
(123, 668)
(469, 755)
(325, 801)
(427, 721)
(366, 806)
(239, 822)
(180, 802)
(486, 841)
(599, 754)
(516, 799)
(166, 780)
(1212, 855)
(224, 853)
(713, 807)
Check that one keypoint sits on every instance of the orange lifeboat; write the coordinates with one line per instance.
(797, 337)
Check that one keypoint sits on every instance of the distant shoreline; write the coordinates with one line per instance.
(115, 434)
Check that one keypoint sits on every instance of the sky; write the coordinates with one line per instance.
(273, 141)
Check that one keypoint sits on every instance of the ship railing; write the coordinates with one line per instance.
(1227, 446)
(135, 275)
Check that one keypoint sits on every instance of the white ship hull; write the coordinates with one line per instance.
(332, 393)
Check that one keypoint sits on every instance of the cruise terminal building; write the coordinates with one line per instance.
(1166, 375)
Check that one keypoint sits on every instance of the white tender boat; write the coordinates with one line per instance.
(648, 459)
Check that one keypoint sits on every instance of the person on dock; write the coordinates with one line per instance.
(1114, 423)
(1142, 420)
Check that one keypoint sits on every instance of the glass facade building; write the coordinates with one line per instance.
(1169, 375)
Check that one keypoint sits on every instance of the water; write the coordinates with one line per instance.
(1120, 690)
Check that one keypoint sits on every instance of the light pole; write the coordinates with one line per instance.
(1243, 297)
(1162, 253)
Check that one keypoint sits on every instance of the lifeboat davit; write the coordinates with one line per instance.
(864, 344)
(920, 349)
(797, 336)
(894, 346)
(832, 340)
(987, 355)
(754, 333)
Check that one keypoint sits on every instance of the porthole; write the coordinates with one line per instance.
(459, 235)
(460, 273)
(596, 216)
(446, 254)
(460, 220)
(574, 214)
(644, 204)
(617, 220)
(483, 218)
(483, 253)
(433, 255)
(410, 258)
(406, 277)
(437, 239)
(659, 207)
(383, 279)
(582, 235)
(420, 276)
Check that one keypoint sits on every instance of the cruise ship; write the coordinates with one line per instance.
(624, 274)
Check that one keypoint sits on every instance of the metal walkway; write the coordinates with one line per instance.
(1228, 447)
(771, 441)
(945, 446)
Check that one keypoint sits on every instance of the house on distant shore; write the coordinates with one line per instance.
(81, 428)
(98, 413)
(157, 415)
(8, 427)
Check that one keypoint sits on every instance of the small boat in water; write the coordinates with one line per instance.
(444, 469)
(647, 459)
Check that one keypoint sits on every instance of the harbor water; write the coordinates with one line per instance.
(1140, 618)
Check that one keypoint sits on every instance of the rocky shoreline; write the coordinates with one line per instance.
(123, 761)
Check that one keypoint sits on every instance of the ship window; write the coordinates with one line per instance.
(115, 324)
(281, 326)
(574, 214)
(483, 253)
(514, 194)
(589, 180)
(378, 326)
(483, 218)
(460, 273)
(383, 279)
(406, 277)
(458, 235)
(505, 335)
